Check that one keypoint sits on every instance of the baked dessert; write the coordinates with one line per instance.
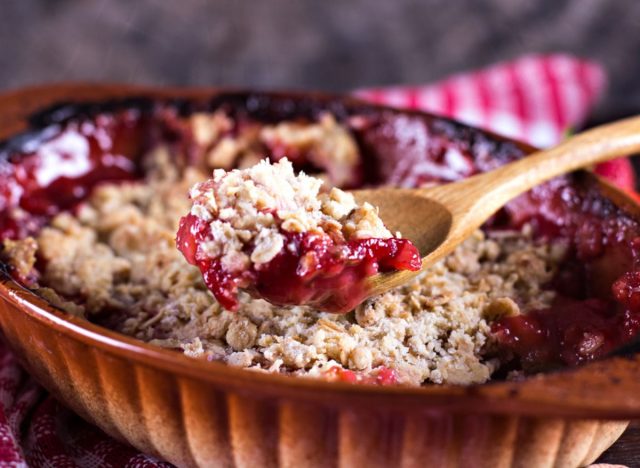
(273, 233)
(530, 292)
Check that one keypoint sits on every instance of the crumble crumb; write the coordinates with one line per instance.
(501, 307)
(21, 256)
(326, 144)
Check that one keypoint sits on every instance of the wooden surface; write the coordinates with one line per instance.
(626, 451)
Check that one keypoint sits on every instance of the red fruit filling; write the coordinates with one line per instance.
(597, 308)
(380, 376)
(63, 169)
(313, 269)
(569, 333)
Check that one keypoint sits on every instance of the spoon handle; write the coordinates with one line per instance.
(477, 198)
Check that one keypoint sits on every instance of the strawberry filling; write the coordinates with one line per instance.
(312, 269)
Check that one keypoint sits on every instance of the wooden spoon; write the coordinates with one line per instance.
(438, 218)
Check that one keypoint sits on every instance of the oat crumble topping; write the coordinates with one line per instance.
(249, 209)
(115, 262)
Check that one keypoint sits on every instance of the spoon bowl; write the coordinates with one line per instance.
(423, 220)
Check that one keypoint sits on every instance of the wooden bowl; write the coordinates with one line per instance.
(196, 413)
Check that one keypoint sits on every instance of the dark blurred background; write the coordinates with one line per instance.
(333, 45)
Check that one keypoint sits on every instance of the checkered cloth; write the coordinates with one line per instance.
(536, 98)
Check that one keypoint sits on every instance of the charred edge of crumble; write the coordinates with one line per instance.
(265, 107)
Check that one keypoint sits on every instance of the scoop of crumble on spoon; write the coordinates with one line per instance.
(276, 235)
(273, 233)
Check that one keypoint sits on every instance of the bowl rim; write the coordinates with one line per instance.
(601, 389)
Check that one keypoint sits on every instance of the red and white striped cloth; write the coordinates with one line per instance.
(535, 98)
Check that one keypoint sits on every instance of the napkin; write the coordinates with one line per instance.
(537, 98)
